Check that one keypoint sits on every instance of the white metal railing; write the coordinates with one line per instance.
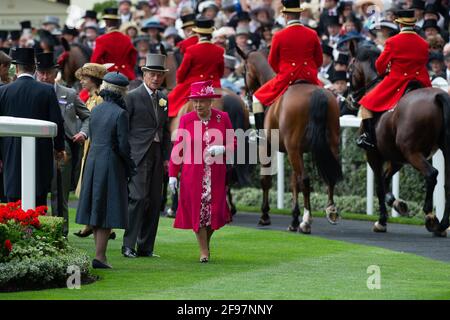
(28, 130)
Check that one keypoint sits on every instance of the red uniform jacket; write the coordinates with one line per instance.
(407, 54)
(115, 47)
(295, 54)
(202, 61)
(183, 45)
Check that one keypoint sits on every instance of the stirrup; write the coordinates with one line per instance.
(253, 136)
(363, 142)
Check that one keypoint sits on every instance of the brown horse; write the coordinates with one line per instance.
(76, 58)
(307, 117)
(409, 133)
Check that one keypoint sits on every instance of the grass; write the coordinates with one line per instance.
(255, 264)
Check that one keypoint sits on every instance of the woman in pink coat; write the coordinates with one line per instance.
(205, 139)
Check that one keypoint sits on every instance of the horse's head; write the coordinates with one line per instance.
(363, 74)
(257, 71)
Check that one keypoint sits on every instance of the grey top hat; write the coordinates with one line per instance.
(155, 62)
(51, 20)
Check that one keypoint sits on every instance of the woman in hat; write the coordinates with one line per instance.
(199, 208)
(104, 195)
(202, 61)
(91, 77)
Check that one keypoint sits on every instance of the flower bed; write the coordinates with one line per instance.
(34, 254)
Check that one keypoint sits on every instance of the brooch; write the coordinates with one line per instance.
(218, 117)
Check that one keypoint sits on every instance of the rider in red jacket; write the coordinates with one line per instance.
(405, 58)
(115, 47)
(190, 37)
(202, 61)
(295, 54)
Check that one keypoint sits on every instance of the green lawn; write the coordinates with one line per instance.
(256, 264)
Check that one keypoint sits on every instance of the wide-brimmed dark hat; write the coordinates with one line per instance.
(22, 56)
(339, 75)
(331, 21)
(15, 34)
(204, 26)
(406, 17)
(45, 61)
(431, 23)
(70, 31)
(291, 6)
(155, 62)
(3, 35)
(150, 23)
(90, 14)
(188, 20)
(343, 59)
(111, 14)
(418, 4)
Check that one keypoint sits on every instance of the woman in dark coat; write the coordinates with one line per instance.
(104, 197)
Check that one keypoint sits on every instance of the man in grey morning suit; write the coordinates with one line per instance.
(149, 138)
(72, 109)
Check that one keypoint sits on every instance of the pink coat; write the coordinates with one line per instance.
(188, 213)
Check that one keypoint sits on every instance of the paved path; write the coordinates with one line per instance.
(400, 237)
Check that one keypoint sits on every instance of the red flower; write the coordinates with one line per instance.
(8, 245)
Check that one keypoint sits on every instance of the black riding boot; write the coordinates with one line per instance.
(259, 125)
(367, 140)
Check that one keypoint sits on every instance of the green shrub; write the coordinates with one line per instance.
(41, 272)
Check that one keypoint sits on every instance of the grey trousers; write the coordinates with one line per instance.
(66, 176)
(144, 201)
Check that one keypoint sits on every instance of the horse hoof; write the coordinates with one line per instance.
(401, 207)
(305, 228)
(264, 222)
(377, 227)
(440, 234)
(332, 214)
(292, 229)
(431, 222)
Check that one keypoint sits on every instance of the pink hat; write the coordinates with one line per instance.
(203, 90)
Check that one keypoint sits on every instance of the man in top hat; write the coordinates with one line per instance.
(125, 10)
(70, 34)
(330, 9)
(91, 33)
(327, 69)
(115, 47)
(341, 63)
(90, 16)
(50, 23)
(419, 7)
(333, 27)
(201, 61)
(291, 60)
(27, 98)
(339, 87)
(430, 28)
(14, 36)
(149, 139)
(401, 65)
(26, 26)
(72, 109)
(190, 37)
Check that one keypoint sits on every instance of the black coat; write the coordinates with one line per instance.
(27, 98)
(104, 195)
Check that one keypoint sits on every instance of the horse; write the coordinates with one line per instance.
(236, 109)
(73, 58)
(307, 117)
(408, 134)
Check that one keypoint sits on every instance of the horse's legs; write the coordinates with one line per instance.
(418, 161)
(266, 184)
(445, 223)
(376, 163)
(295, 184)
(331, 210)
(398, 204)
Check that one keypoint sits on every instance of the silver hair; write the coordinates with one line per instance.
(114, 88)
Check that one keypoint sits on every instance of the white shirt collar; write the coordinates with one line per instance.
(150, 91)
(25, 75)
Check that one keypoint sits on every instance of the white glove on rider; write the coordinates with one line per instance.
(216, 150)
(173, 181)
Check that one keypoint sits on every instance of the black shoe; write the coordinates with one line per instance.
(97, 264)
(367, 140)
(128, 252)
(85, 234)
(147, 254)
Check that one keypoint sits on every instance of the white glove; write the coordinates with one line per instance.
(216, 150)
(173, 181)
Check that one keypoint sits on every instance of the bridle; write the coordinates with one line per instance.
(248, 92)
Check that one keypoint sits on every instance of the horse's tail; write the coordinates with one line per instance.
(317, 135)
(443, 99)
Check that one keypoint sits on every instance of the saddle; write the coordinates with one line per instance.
(300, 81)
(413, 85)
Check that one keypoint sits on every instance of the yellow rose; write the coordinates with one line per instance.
(162, 102)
